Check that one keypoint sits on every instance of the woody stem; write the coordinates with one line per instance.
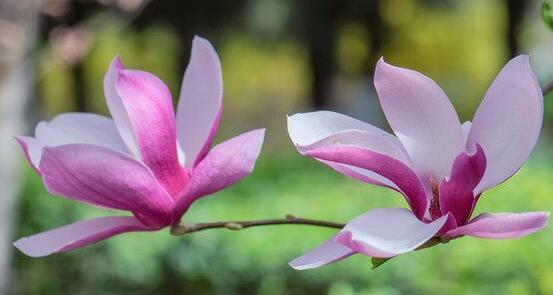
(186, 228)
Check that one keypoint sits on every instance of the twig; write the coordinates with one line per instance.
(187, 228)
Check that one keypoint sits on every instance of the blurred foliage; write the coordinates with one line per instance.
(547, 13)
(461, 48)
(254, 261)
(459, 44)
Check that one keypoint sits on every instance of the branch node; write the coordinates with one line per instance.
(234, 226)
(290, 217)
(177, 230)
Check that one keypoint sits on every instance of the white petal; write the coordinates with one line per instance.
(330, 251)
(200, 102)
(388, 232)
(508, 121)
(421, 116)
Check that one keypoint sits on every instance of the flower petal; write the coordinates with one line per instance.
(150, 109)
(200, 102)
(77, 235)
(32, 149)
(508, 121)
(308, 128)
(502, 225)
(329, 252)
(387, 145)
(394, 170)
(107, 178)
(223, 166)
(388, 232)
(421, 116)
(71, 128)
(361, 174)
(362, 139)
(456, 192)
(117, 108)
(319, 129)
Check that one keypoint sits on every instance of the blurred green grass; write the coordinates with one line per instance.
(254, 261)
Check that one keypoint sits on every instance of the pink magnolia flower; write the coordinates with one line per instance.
(440, 166)
(144, 160)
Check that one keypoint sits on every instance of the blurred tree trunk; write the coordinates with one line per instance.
(77, 70)
(515, 11)
(18, 21)
(320, 28)
(376, 29)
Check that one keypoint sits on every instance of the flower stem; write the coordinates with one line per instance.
(186, 228)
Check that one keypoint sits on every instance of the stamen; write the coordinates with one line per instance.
(434, 209)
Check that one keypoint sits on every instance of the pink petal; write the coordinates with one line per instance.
(449, 224)
(71, 128)
(329, 252)
(388, 232)
(387, 145)
(396, 171)
(324, 128)
(508, 122)
(502, 225)
(200, 102)
(362, 139)
(77, 235)
(223, 166)
(117, 108)
(422, 117)
(143, 103)
(32, 149)
(456, 192)
(106, 178)
(361, 174)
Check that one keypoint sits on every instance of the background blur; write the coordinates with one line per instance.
(279, 57)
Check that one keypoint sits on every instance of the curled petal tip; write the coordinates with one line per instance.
(262, 131)
(381, 65)
(123, 76)
(20, 245)
(116, 63)
(198, 38)
(201, 41)
(329, 252)
(21, 141)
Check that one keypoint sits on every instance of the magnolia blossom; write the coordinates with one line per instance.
(144, 159)
(439, 165)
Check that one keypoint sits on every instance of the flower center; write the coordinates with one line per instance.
(434, 209)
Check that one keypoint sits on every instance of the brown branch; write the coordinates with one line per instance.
(187, 228)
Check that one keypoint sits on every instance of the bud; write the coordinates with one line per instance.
(234, 226)
(376, 262)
